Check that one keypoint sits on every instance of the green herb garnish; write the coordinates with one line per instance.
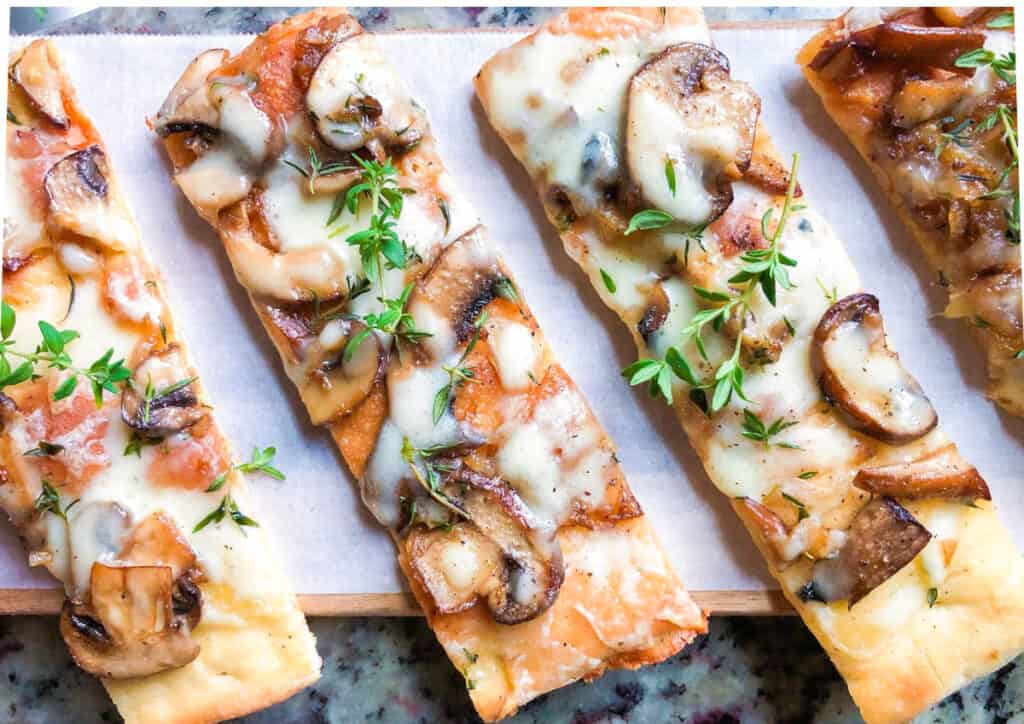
(458, 374)
(103, 374)
(609, 283)
(755, 429)
(260, 462)
(649, 219)
(48, 501)
(229, 508)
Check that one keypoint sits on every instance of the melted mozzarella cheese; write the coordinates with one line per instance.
(516, 352)
(551, 459)
(566, 93)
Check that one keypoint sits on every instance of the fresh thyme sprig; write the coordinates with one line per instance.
(48, 501)
(1003, 65)
(227, 508)
(755, 429)
(959, 135)
(317, 168)
(380, 184)
(458, 374)
(103, 374)
(151, 394)
(648, 219)
(393, 320)
(764, 269)
(429, 477)
(1004, 114)
(357, 287)
(260, 462)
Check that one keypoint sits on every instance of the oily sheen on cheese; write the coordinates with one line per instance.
(513, 522)
(254, 648)
(956, 610)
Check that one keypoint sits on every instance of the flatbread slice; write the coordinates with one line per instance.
(751, 322)
(112, 466)
(935, 118)
(409, 340)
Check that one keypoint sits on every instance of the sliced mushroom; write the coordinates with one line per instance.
(455, 566)
(37, 72)
(157, 540)
(129, 628)
(462, 281)
(356, 101)
(317, 40)
(922, 100)
(528, 583)
(171, 405)
(684, 109)
(655, 312)
(77, 187)
(864, 378)
(934, 46)
(188, 106)
(332, 386)
(269, 268)
(767, 524)
(882, 538)
(942, 475)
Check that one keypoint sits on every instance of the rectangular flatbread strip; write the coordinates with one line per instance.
(107, 484)
(408, 339)
(935, 119)
(831, 455)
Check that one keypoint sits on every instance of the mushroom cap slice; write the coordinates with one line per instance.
(77, 187)
(528, 582)
(882, 538)
(942, 475)
(936, 46)
(37, 72)
(864, 378)
(454, 566)
(129, 628)
(464, 279)
(173, 405)
(655, 313)
(356, 101)
(684, 109)
(332, 386)
(188, 106)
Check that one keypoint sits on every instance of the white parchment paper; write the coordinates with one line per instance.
(329, 543)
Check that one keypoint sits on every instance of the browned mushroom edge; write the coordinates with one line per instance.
(934, 45)
(518, 570)
(892, 410)
(882, 538)
(38, 74)
(160, 399)
(943, 475)
(693, 80)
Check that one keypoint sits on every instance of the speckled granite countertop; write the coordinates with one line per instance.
(392, 670)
